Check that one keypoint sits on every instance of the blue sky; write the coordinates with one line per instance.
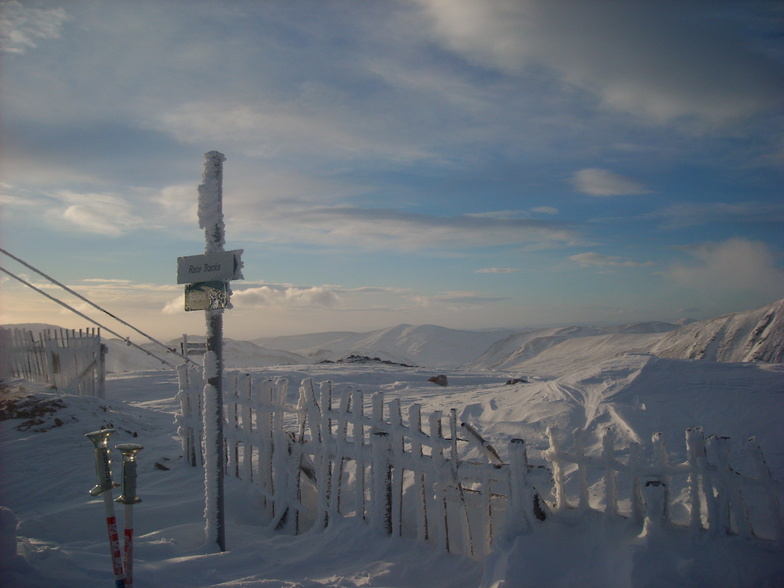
(466, 163)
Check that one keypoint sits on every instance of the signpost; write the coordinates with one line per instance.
(224, 265)
(207, 288)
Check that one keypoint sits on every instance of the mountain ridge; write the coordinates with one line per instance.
(755, 335)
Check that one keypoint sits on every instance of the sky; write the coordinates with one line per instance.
(466, 163)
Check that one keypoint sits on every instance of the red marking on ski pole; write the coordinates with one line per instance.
(114, 545)
(128, 558)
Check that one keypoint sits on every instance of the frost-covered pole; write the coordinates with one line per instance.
(211, 220)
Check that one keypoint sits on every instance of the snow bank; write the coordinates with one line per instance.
(593, 551)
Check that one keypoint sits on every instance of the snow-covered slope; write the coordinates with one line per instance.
(753, 335)
(426, 345)
(236, 354)
(563, 349)
(62, 534)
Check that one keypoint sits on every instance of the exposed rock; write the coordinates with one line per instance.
(439, 379)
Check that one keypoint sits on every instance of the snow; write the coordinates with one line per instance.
(591, 381)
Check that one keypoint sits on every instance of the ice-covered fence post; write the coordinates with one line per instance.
(728, 499)
(324, 455)
(661, 462)
(468, 541)
(439, 465)
(415, 425)
(638, 513)
(553, 455)
(211, 220)
(398, 458)
(381, 506)
(610, 475)
(582, 474)
(699, 484)
(357, 421)
(655, 494)
(771, 491)
(521, 497)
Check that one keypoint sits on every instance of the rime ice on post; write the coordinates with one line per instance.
(211, 220)
(211, 202)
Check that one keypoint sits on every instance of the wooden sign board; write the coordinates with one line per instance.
(224, 265)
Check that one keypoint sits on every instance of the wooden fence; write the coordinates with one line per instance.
(70, 361)
(357, 456)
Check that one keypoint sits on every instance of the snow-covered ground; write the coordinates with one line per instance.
(47, 470)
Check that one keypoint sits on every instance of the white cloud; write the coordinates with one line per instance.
(22, 26)
(179, 202)
(266, 129)
(405, 231)
(277, 295)
(597, 259)
(602, 182)
(693, 214)
(730, 268)
(498, 270)
(660, 60)
(545, 210)
(175, 306)
(102, 214)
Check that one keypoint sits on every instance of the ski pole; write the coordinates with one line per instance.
(103, 469)
(129, 498)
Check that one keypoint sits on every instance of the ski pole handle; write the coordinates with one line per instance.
(128, 498)
(103, 461)
(129, 451)
(103, 471)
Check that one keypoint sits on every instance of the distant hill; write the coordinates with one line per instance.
(753, 335)
(425, 345)
(556, 351)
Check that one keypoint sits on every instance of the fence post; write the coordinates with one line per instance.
(438, 463)
(520, 518)
(638, 509)
(381, 505)
(398, 450)
(357, 413)
(420, 482)
(662, 464)
(699, 479)
(655, 494)
(583, 504)
(552, 454)
(325, 453)
(610, 475)
(770, 487)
